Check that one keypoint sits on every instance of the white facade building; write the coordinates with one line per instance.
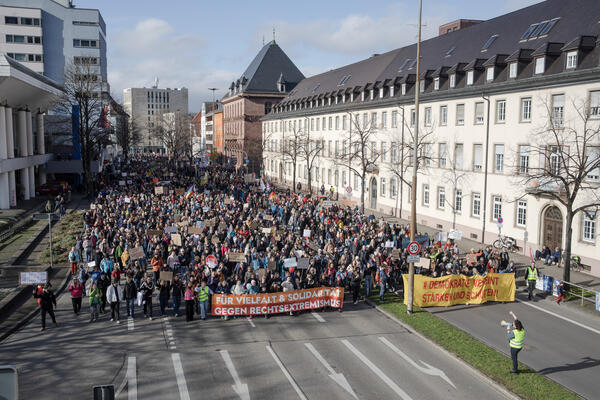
(541, 76)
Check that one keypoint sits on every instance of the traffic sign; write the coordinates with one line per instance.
(413, 258)
(211, 261)
(414, 248)
(349, 189)
(500, 220)
(44, 217)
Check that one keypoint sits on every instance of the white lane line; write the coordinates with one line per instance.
(377, 371)
(172, 347)
(287, 374)
(317, 316)
(339, 378)
(560, 316)
(251, 322)
(428, 369)
(240, 388)
(179, 375)
(131, 379)
(130, 325)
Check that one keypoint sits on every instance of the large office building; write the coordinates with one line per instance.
(495, 96)
(146, 106)
(48, 36)
(267, 80)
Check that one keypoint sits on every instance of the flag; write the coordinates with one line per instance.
(531, 256)
(272, 196)
(189, 192)
(262, 185)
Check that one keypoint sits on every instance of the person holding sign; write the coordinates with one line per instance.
(47, 303)
(515, 334)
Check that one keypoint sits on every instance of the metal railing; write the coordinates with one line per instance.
(586, 294)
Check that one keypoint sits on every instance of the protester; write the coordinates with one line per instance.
(73, 260)
(532, 275)
(114, 295)
(516, 338)
(95, 297)
(203, 298)
(147, 288)
(47, 301)
(76, 289)
(130, 295)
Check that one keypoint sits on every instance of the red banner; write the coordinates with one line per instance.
(275, 303)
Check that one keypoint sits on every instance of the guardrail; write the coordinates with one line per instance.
(549, 285)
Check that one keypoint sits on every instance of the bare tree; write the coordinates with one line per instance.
(172, 130)
(568, 151)
(310, 148)
(128, 134)
(82, 99)
(456, 176)
(360, 152)
(291, 151)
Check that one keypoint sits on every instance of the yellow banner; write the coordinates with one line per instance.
(460, 289)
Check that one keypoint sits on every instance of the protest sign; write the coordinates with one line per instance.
(290, 262)
(306, 233)
(166, 275)
(92, 206)
(200, 224)
(33, 277)
(253, 225)
(215, 240)
(129, 181)
(313, 245)
(303, 263)
(176, 239)
(389, 244)
(424, 262)
(279, 302)
(121, 183)
(268, 217)
(136, 253)
(455, 235)
(123, 174)
(210, 222)
(154, 232)
(222, 226)
(127, 200)
(91, 264)
(172, 229)
(179, 191)
(177, 217)
(158, 190)
(194, 230)
(395, 254)
(440, 236)
(205, 209)
(471, 259)
(227, 200)
(272, 265)
(266, 231)
(236, 257)
(460, 289)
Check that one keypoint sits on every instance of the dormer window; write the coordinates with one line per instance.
(392, 91)
(362, 96)
(470, 75)
(571, 59)
(323, 102)
(351, 97)
(436, 83)
(371, 94)
(512, 70)
(489, 74)
(336, 99)
(422, 86)
(540, 65)
(381, 93)
(403, 89)
(344, 98)
(311, 104)
(453, 80)
(329, 101)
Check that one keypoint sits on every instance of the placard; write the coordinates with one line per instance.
(236, 257)
(91, 264)
(313, 245)
(166, 275)
(290, 262)
(127, 200)
(210, 223)
(424, 262)
(172, 229)
(129, 181)
(395, 254)
(253, 225)
(92, 206)
(194, 230)
(136, 253)
(179, 191)
(306, 233)
(268, 217)
(155, 232)
(471, 259)
(272, 265)
(33, 277)
(215, 240)
(389, 244)
(121, 183)
(158, 190)
(176, 239)
(205, 209)
(177, 217)
(266, 230)
(227, 200)
(455, 235)
(303, 263)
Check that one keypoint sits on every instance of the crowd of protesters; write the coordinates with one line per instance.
(218, 211)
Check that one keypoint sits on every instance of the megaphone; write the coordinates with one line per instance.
(504, 323)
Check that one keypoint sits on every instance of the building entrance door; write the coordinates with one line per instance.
(373, 191)
(553, 228)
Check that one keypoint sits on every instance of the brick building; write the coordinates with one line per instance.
(218, 147)
(267, 80)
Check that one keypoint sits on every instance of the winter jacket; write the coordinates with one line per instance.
(76, 290)
(147, 289)
(130, 290)
(111, 293)
(47, 298)
(95, 296)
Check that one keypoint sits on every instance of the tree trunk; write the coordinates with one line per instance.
(309, 182)
(362, 193)
(294, 179)
(568, 239)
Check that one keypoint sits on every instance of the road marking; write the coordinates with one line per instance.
(337, 377)
(179, 375)
(429, 370)
(287, 374)
(317, 316)
(560, 316)
(130, 379)
(240, 388)
(251, 322)
(130, 324)
(377, 371)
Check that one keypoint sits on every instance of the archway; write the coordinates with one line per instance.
(373, 191)
(553, 227)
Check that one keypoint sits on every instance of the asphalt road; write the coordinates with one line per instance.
(559, 348)
(359, 353)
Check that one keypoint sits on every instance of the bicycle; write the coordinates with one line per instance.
(506, 242)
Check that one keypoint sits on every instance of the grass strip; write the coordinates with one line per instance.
(528, 384)
(64, 236)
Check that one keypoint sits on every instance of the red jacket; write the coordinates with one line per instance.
(76, 290)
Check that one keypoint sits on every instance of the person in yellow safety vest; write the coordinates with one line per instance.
(532, 275)
(516, 339)
(203, 293)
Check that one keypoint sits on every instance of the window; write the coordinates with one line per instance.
(384, 151)
(595, 104)
(337, 148)
(458, 200)
(470, 75)
(11, 20)
(394, 150)
(512, 70)
(373, 120)
(588, 233)
(540, 65)
(436, 83)
(458, 156)
(381, 93)
(337, 122)
(528, 31)
(345, 122)
(477, 157)
(393, 187)
(384, 119)
(373, 151)
(427, 154)
(521, 213)
(427, 116)
(479, 113)
(365, 120)
(329, 148)
(460, 114)
(383, 187)
(571, 59)
(422, 85)
(412, 117)
(425, 195)
(523, 160)
(312, 124)
(443, 155)
(443, 115)
(489, 76)
(330, 123)
(441, 197)
(476, 205)
(489, 42)
(453, 80)
(558, 108)
(499, 158)
(549, 26)
(395, 118)
(336, 178)
(526, 109)
(496, 207)
(593, 163)
(500, 111)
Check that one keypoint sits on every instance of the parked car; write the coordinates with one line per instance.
(52, 188)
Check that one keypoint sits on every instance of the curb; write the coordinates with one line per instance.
(468, 366)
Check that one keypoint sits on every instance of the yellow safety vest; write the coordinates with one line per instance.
(517, 341)
(203, 294)
(531, 274)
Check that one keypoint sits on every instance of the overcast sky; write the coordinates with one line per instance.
(202, 44)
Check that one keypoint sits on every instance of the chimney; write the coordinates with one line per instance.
(456, 25)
